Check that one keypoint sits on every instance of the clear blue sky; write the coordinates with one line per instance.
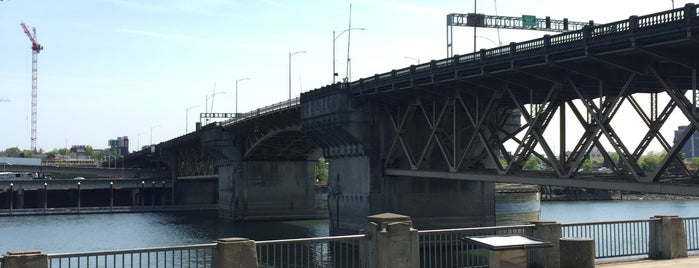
(114, 68)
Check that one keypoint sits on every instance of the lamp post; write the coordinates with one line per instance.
(186, 120)
(211, 96)
(414, 59)
(151, 133)
(335, 38)
(236, 93)
(291, 55)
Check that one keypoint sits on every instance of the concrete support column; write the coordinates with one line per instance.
(27, 258)
(549, 231)
(391, 242)
(235, 253)
(667, 238)
(577, 252)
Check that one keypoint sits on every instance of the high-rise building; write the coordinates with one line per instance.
(691, 148)
(120, 146)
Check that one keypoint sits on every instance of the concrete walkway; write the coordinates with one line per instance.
(691, 261)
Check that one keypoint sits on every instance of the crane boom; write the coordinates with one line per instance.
(32, 37)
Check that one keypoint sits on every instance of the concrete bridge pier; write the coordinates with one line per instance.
(251, 189)
(355, 136)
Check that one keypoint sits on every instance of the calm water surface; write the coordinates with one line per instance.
(78, 233)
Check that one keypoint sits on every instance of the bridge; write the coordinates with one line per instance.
(413, 140)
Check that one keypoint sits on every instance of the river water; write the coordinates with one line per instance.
(95, 232)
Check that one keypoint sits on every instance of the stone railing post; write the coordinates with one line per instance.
(549, 231)
(667, 238)
(391, 242)
(235, 253)
(27, 258)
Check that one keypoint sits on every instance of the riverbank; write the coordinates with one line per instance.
(576, 194)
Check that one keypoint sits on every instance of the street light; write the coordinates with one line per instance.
(151, 133)
(236, 93)
(212, 101)
(414, 59)
(335, 38)
(186, 122)
(291, 55)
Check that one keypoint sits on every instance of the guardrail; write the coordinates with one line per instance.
(180, 256)
(691, 229)
(262, 111)
(444, 248)
(334, 251)
(613, 238)
(437, 248)
(564, 40)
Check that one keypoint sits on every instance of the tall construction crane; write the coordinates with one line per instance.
(36, 48)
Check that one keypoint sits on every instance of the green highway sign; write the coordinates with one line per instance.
(528, 21)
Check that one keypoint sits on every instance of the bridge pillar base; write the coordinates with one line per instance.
(667, 238)
(27, 258)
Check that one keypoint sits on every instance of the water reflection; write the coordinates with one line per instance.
(75, 233)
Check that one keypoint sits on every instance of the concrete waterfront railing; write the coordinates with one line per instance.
(388, 240)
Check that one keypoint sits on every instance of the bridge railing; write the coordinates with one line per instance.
(178, 256)
(444, 248)
(334, 251)
(564, 40)
(262, 111)
(613, 238)
(437, 248)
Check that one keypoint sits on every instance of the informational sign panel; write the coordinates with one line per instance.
(528, 21)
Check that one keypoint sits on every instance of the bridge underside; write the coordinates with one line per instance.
(484, 116)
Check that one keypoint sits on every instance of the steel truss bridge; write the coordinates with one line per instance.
(590, 72)
(481, 116)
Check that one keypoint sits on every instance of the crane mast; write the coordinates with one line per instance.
(36, 48)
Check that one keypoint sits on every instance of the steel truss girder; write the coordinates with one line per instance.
(609, 133)
(685, 107)
(477, 124)
(592, 133)
(534, 133)
(654, 126)
(434, 119)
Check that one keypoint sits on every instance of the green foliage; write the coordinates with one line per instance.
(531, 164)
(695, 161)
(650, 161)
(12, 152)
(321, 171)
(587, 165)
(615, 157)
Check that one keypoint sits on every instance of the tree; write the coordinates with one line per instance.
(615, 158)
(587, 165)
(651, 161)
(12, 152)
(321, 170)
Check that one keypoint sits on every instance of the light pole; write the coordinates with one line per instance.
(122, 166)
(186, 120)
(212, 101)
(335, 38)
(236, 93)
(291, 55)
(151, 133)
(414, 59)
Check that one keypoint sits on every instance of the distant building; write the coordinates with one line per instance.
(691, 148)
(120, 146)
